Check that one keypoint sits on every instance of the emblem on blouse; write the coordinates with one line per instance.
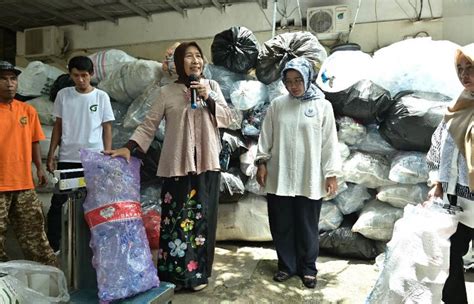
(23, 120)
(310, 112)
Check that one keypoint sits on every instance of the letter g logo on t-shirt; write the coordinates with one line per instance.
(93, 108)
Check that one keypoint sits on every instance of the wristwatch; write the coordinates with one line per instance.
(260, 161)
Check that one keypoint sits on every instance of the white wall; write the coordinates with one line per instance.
(379, 23)
(458, 21)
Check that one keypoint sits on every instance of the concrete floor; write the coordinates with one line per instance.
(242, 273)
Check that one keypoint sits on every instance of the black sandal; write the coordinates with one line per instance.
(309, 281)
(281, 276)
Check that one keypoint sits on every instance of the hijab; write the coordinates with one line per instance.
(459, 118)
(305, 68)
(179, 54)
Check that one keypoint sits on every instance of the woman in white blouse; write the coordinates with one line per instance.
(298, 162)
(451, 160)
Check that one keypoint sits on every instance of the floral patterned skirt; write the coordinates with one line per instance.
(188, 228)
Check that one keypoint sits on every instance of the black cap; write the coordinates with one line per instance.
(7, 66)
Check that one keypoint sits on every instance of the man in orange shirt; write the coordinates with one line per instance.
(20, 133)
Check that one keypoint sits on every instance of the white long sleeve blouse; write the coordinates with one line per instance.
(299, 142)
(448, 166)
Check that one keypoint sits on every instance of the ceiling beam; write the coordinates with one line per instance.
(95, 11)
(218, 5)
(176, 7)
(13, 12)
(50, 10)
(130, 5)
(11, 28)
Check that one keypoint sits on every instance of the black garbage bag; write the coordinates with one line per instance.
(119, 109)
(412, 119)
(282, 48)
(120, 135)
(253, 119)
(225, 77)
(232, 187)
(345, 243)
(364, 101)
(225, 155)
(63, 81)
(232, 142)
(149, 164)
(236, 49)
(23, 97)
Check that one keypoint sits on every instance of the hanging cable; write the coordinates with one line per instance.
(431, 10)
(265, 15)
(355, 19)
(275, 7)
(414, 8)
(377, 25)
(299, 12)
(421, 10)
(284, 12)
(401, 7)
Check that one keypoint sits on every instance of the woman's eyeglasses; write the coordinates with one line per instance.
(291, 82)
(469, 70)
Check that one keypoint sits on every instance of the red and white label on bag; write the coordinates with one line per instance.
(114, 212)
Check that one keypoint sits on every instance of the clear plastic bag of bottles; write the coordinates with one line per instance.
(121, 253)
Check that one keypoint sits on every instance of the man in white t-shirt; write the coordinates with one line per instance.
(83, 120)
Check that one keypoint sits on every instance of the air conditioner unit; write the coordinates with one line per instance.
(327, 22)
(43, 42)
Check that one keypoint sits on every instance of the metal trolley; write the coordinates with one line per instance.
(76, 255)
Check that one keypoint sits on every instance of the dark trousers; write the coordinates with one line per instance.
(295, 232)
(54, 213)
(454, 290)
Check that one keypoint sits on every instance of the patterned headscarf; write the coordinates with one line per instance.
(304, 67)
(179, 53)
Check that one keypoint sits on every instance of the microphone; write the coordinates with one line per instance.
(193, 77)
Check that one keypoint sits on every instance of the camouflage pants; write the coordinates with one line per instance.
(24, 210)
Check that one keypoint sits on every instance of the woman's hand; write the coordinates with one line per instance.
(122, 152)
(202, 89)
(331, 185)
(436, 191)
(262, 174)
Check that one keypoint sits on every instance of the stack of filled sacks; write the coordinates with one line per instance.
(380, 177)
(384, 139)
